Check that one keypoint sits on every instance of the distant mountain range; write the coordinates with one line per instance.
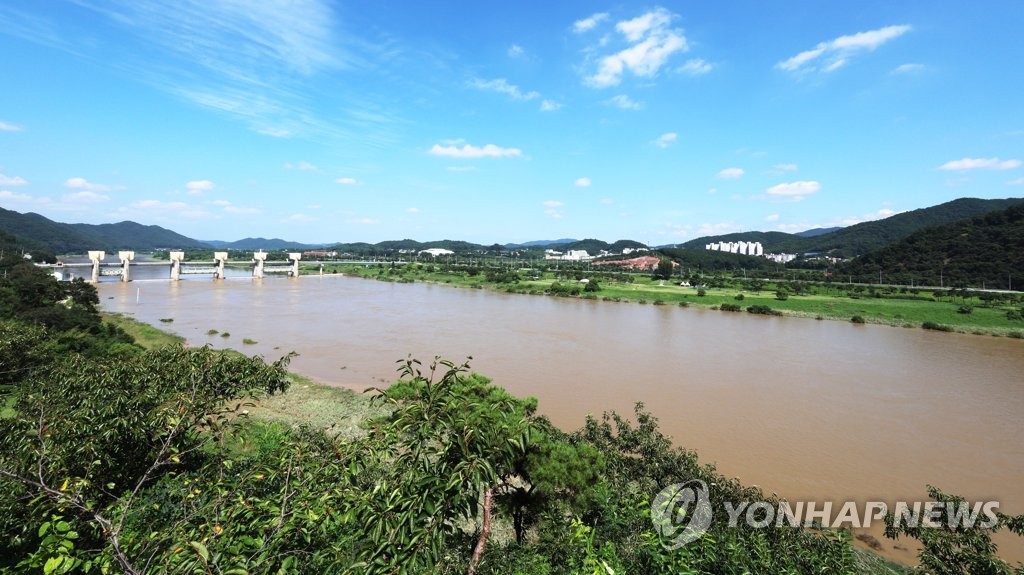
(867, 236)
(44, 237)
(260, 244)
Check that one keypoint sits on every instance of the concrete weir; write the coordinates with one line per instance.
(177, 265)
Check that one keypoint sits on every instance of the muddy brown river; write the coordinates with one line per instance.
(813, 410)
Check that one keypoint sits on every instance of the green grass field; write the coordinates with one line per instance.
(830, 303)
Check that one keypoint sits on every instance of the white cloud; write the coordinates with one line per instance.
(667, 139)
(83, 184)
(717, 229)
(583, 182)
(14, 196)
(502, 86)
(5, 127)
(197, 187)
(302, 166)
(651, 42)
(553, 204)
(908, 69)
(6, 180)
(589, 23)
(549, 106)
(624, 102)
(159, 205)
(233, 209)
(838, 51)
(980, 164)
(347, 181)
(275, 132)
(730, 173)
(85, 197)
(470, 151)
(412, 210)
(771, 218)
(297, 219)
(794, 191)
(1016, 182)
(782, 168)
(553, 213)
(695, 67)
(515, 51)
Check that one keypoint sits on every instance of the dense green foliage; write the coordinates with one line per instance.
(867, 236)
(982, 251)
(701, 260)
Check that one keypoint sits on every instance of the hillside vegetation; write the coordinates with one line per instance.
(866, 237)
(985, 251)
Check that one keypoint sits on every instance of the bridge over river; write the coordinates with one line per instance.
(177, 265)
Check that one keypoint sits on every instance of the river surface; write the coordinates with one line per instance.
(813, 410)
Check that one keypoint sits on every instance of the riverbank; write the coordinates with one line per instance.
(952, 311)
(343, 412)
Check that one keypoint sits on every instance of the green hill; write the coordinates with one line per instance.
(866, 237)
(985, 251)
(34, 229)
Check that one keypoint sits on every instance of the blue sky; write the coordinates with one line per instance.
(322, 121)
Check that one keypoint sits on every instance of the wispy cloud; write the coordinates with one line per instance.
(589, 23)
(771, 218)
(667, 139)
(502, 86)
(549, 106)
(553, 204)
(695, 67)
(794, 191)
(83, 184)
(625, 102)
(6, 180)
(347, 181)
(298, 219)
(469, 151)
(583, 182)
(730, 173)
(515, 51)
(302, 166)
(231, 208)
(980, 164)
(834, 54)
(650, 40)
(5, 127)
(9, 196)
(1016, 182)
(908, 69)
(783, 168)
(412, 210)
(85, 197)
(461, 168)
(197, 187)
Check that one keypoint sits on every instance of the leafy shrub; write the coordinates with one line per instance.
(935, 326)
(782, 295)
(763, 310)
(730, 307)
(701, 293)
(739, 297)
(857, 319)
(965, 309)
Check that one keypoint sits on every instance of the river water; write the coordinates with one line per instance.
(813, 410)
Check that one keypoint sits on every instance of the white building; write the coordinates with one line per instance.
(437, 252)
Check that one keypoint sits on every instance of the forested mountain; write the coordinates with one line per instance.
(260, 244)
(866, 237)
(985, 251)
(34, 229)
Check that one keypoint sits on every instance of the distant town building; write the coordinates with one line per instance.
(320, 254)
(437, 252)
(743, 248)
(571, 255)
(627, 251)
